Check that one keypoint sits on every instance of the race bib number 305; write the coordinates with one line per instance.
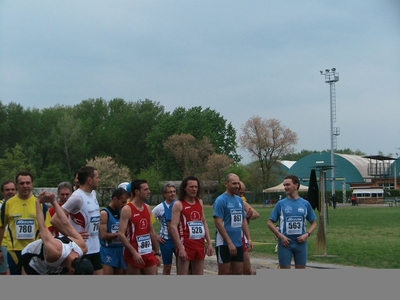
(196, 230)
(294, 225)
(25, 229)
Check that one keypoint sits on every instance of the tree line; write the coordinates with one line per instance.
(55, 142)
(140, 139)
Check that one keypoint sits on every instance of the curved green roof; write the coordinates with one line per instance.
(351, 168)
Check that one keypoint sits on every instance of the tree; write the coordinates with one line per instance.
(216, 167)
(267, 141)
(111, 175)
(13, 162)
(68, 138)
(199, 123)
(190, 154)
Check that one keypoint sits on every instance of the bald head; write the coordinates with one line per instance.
(232, 184)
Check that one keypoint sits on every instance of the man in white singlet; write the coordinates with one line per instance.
(84, 212)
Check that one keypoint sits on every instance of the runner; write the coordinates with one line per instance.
(188, 228)
(136, 232)
(163, 213)
(55, 255)
(111, 248)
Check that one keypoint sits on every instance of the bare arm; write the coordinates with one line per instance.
(207, 231)
(123, 225)
(272, 227)
(210, 249)
(104, 234)
(173, 225)
(246, 231)
(251, 213)
(61, 222)
(53, 247)
(153, 234)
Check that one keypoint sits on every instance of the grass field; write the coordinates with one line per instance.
(359, 236)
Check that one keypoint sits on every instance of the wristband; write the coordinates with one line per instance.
(309, 234)
(157, 253)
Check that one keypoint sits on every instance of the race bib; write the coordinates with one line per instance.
(236, 218)
(25, 229)
(294, 225)
(114, 229)
(94, 225)
(196, 230)
(144, 244)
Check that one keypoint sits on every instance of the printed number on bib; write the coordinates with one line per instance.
(294, 225)
(236, 218)
(196, 230)
(144, 244)
(94, 225)
(25, 229)
(114, 229)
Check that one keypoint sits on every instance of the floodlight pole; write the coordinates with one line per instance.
(331, 76)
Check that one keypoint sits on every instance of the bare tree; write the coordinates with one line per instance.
(267, 141)
(190, 154)
(216, 167)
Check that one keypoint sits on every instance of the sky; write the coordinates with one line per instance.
(240, 58)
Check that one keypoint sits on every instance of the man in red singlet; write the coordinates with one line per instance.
(136, 232)
(188, 228)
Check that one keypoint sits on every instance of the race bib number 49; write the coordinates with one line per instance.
(294, 225)
(196, 230)
(25, 229)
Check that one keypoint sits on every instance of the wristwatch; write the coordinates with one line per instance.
(157, 253)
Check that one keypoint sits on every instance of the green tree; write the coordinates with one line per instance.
(13, 162)
(197, 122)
(68, 139)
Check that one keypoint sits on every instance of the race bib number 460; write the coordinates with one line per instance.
(25, 229)
(294, 225)
(196, 230)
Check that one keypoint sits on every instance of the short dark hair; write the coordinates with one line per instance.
(84, 173)
(24, 173)
(7, 182)
(184, 183)
(82, 266)
(119, 192)
(135, 185)
(294, 179)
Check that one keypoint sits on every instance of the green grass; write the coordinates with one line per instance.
(359, 236)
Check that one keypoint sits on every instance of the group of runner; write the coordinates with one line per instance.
(78, 237)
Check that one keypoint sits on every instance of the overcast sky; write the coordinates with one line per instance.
(240, 58)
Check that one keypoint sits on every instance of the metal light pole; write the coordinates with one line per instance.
(331, 76)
